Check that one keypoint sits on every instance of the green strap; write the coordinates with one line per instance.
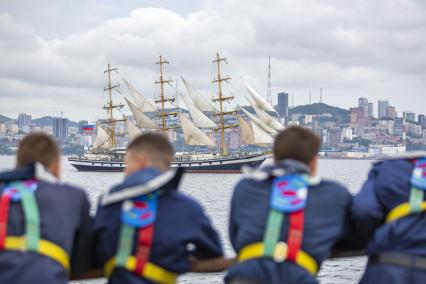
(273, 231)
(32, 217)
(125, 245)
(416, 199)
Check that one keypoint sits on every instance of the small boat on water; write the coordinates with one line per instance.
(204, 122)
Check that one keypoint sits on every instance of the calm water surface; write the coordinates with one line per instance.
(213, 191)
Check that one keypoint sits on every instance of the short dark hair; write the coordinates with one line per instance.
(155, 146)
(296, 143)
(37, 147)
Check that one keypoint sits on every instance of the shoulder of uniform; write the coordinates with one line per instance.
(331, 185)
(184, 201)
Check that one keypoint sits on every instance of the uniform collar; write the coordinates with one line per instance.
(36, 170)
(280, 168)
(143, 182)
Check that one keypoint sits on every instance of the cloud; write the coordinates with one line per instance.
(351, 49)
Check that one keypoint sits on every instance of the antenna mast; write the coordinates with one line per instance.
(269, 94)
(222, 99)
(320, 95)
(163, 114)
(110, 106)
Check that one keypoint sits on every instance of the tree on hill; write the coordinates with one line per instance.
(339, 114)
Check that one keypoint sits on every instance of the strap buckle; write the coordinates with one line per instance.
(280, 252)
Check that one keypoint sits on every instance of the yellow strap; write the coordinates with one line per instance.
(45, 248)
(402, 210)
(255, 250)
(151, 271)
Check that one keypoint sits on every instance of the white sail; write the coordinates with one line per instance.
(267, 119)
(192, 134)
(198, 100)
(143, 103)
(259, 122)
(246, 131)
(132, 130)
(199, 118)
(258, 99)
(102, 139)
(260, 136)
(142, 120)
(251, 101)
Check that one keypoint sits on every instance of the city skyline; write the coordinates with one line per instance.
(350, 50)
(376, 109)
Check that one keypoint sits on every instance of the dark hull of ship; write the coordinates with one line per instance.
(223, 165)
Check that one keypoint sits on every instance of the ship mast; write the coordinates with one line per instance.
(110, 106)
(221, 98)
(163, 114)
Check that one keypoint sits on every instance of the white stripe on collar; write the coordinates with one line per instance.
(138, 190)
(41, 173)
(260, 175)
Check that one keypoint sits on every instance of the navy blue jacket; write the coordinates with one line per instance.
(388, 186)
(64, 220)
(327, 206)
(181, 230)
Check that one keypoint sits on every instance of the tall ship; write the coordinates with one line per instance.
(201, 122)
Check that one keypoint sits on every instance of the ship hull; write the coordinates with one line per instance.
(223, 165)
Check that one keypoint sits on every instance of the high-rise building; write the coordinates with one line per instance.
(60, 128)
(356, 113)
(363, 103)
(24, 120)
(383, 108)
(283, 104)
(371, 110)
(398, 126)
(334, 137)
(422, 120)
(409, 116)
(391, 113)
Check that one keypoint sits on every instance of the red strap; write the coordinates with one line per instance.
(4, 216)
(295, 234)
(145, 237)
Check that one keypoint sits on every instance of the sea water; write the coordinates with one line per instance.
(213, 191)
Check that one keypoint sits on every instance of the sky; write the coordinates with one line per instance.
(53, 53)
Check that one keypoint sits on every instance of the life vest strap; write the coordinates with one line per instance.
(401, 211)
(150, 271)
(125, 244)
(4, 216)
(143, 249)
(416, 203)
(295, 234)
(32, 217)
(45, 248)
(273, 231)
(302, 259)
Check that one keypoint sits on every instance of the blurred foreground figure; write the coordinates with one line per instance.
(45, 226)
(389, 214)
(284, 219)
(145, 230)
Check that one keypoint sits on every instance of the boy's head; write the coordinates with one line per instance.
(39, 147)
(299, 144)
(149, 150)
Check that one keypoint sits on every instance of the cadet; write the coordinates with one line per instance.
(145, 230)
(284, 219)
(45, 226)
(389, 214)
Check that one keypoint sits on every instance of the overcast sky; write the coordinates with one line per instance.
(53, 53)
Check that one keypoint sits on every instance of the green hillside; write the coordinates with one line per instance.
(4, 119)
